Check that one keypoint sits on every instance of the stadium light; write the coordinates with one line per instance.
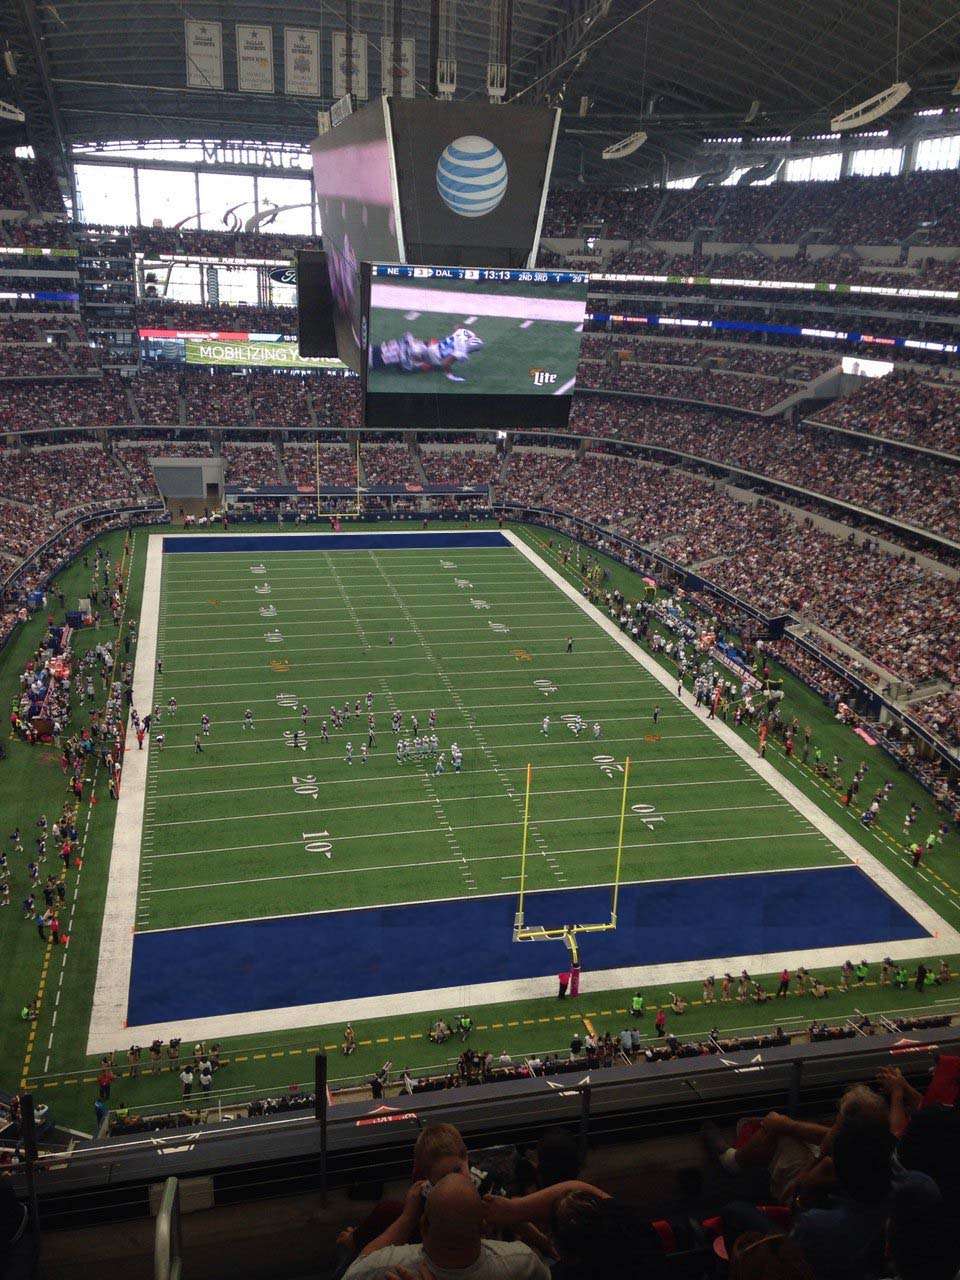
(626, 147)
(871, 108)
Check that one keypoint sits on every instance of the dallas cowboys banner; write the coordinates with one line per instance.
(204, 49)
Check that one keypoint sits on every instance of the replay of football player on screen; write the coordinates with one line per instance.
(469, 331)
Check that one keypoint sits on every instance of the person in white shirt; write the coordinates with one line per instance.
(453, 1248)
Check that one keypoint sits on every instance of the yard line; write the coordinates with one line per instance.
(541, 742)
(473, 826)
(492, 795)
(477, 671)
(494, 857)
(545, 703)
(561, 734)
(189, 596)
(338, 782)
(497, 893)
(460, 604)
(529, 634)
(349, 662)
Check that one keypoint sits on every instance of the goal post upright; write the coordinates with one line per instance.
(358, 489)
(518, 925)
(567, 933)
(316, 465)
(623, 818)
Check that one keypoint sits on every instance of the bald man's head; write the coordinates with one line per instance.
(452, 1221)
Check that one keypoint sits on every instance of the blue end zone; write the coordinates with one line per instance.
(373, 541)
(181, 974)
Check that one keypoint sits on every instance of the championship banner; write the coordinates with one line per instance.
(260, 354)
(301, 62)
(359, 85)
(398, 62)
(204, 47)
(254, 59)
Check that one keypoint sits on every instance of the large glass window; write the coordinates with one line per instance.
(876, 162)
(814, 168)
(168, 196)
(939, 153)
(221, 193)
(106, 194)
(681, 184)
(283, 192)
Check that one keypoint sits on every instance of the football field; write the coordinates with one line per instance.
(273, 878)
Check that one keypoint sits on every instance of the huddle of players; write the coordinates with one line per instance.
(424, 746)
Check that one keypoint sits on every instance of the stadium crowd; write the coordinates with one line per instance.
(734, 390)
(920, 492)
(337, 465)
(880, 210)
(903, 406)
(760, 553)
(386, 464)
(461, 466)
(251, 464)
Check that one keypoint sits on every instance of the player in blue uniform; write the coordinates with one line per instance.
(412, 355)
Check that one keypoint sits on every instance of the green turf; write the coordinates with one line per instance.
(59, 1070)
(226, 839)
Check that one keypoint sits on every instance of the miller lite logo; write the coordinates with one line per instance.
(542, 377)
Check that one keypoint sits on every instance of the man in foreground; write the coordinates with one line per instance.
(450, 1218)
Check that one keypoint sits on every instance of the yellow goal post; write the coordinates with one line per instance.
(523, 931)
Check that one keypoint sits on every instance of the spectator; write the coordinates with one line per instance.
(451, 1219)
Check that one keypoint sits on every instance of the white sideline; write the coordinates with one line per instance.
(108, 1026)
(872, 866)
(111, 990)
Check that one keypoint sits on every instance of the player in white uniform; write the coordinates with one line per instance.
(434, 744)
(363, 753)
(438, 767)
(349, 753)
(545, 727)
(596, 729)
(456, 755)
(205, 725)
(413, 355)
(247, 719)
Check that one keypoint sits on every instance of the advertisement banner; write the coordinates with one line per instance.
(301, 61)
(204, 45)
(358, 59)
(398, 67)
(259, 354)
(254, 59)
(472, 179)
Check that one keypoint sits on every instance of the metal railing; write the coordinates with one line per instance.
(167, 1245)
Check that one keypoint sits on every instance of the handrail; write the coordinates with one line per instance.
(168, 1243)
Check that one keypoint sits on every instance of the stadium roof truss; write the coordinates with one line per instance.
(680, 70)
